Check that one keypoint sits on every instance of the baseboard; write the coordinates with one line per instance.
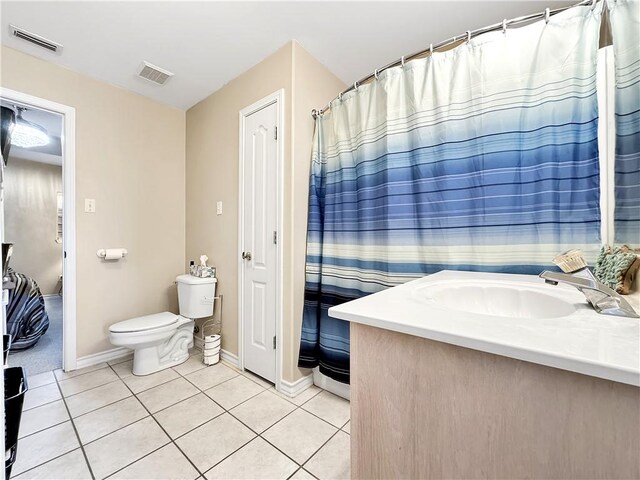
(226, 357)
(292, 389)
(230, 358)
(51, 295)
(106, 356)
(330, 385)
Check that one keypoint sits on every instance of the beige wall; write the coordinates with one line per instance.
(130, 157)
(30, 220)
(212, 175)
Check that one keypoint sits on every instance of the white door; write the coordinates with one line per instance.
(259, 259)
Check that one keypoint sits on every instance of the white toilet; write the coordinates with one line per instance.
(162, 340)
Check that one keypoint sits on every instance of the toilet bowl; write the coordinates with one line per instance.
(162, 340)
(159, 341)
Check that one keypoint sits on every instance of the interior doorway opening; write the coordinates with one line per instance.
(37, 219)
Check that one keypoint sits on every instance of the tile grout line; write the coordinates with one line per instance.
(84, 454)
(132, 394)
(137, 459)
(241, 422)
(58, 380)
(122, 379)
(163, 430)
(122, 427)
(45, 428)
(102, 406)
(108, 365)
(119, 428)
(227, 412)
(297, 407)
(306, 471)
(224, 410)
(45, 463)
(42, 404)
(69, 396)
(338, 429)
(321, 447)
(277, 394)
(117, 361)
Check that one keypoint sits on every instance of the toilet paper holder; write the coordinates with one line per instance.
(112, 253)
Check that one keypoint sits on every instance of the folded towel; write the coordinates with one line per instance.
(616, 267)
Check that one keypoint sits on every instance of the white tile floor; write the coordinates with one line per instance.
(189, 422)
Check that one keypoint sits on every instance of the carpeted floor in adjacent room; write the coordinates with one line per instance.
(46, 355)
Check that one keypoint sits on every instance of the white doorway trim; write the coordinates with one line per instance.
(277, 98)
(69, 359)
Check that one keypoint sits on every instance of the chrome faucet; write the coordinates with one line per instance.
(602, 298)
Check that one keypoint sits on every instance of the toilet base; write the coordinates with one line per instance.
(173, 351)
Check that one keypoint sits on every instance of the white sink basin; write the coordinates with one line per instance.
(496, 299)
(516, 316)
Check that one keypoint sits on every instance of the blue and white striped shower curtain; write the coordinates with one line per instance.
(625, 29)
(483, 158)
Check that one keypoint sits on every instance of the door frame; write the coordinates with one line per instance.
(277, 98)
(69, 359)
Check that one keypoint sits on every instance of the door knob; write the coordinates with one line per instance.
(246, 255)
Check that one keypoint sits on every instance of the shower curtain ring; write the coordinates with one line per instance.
(468, 36)
(504, 26)
(340, 96)
(547, 14)
(375, 73)
(355, 86)
(402, 61)
(431, 49)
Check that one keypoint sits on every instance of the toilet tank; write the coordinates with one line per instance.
(195, 296)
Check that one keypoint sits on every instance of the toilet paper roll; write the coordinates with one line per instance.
(211, 360)
(114, 253)
(211, 353)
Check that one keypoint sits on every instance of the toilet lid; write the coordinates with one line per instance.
(148, 322)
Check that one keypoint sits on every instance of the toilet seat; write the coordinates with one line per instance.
(145, 323)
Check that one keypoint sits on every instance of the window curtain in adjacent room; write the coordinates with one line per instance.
(625, 29)
(481, 158)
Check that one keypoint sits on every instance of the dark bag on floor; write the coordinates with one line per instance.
(27, 319)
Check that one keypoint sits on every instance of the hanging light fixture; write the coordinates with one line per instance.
(28, 134)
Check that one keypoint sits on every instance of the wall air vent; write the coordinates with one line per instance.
(153, 73)
(35, 39)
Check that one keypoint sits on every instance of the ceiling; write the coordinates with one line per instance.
(52, 123)
(207, 44)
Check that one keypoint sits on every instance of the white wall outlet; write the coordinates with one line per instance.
(219, 208)
(89, 205)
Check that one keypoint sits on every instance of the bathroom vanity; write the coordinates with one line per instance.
(477, 375)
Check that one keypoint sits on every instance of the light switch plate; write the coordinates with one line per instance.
(89, 205)
(219, 208)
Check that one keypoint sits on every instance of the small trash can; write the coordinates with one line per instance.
(15, 386)
(6, 345)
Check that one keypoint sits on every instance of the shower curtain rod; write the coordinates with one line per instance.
(546, 14)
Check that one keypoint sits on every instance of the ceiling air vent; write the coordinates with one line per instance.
(35, 39)
(153, 73)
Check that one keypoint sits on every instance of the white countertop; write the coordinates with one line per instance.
(584, 341)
